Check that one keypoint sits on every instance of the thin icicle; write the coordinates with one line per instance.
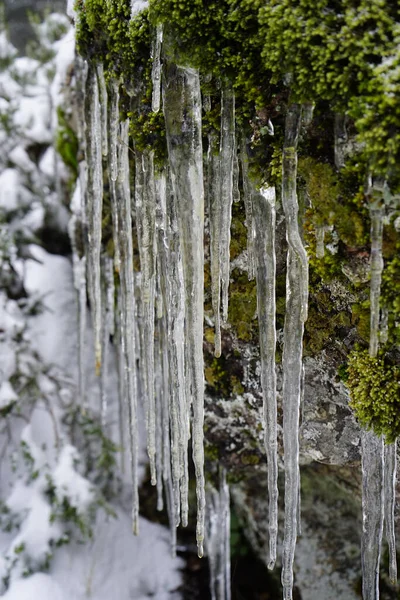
(79, 272)
(264, 229)
(227, 154)
(372, 446)
(121, 368)
(113, 124)
(156, 69)
(94, 204)
(218, 539)
(372, 461)
(127, 290)
(182, 112)
(247, 194)
(295, 315)
(215, 207)
(236, 172)
(108, 330)
(104, 107)
(320, 237)
(145, 223)
(340, 140)
(158, 406)
(390, 501)
(166, 437)
(376, 213)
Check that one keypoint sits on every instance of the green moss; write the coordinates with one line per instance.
(222, 377)
(375, 393)
(243, 306)
(67, 143)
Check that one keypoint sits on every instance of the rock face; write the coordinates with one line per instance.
(327, 561)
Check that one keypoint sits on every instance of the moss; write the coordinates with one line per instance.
(324, 324)
(243, 306)
(249, 459)
(374, 387)
(67, 143)
(223, 377)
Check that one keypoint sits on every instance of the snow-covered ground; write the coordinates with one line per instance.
(46, 497)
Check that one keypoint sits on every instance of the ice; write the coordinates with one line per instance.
(218, 539)
(113, 165)
(390, 502)
(215, 206)
(156, 69)
(247, 195)
(94, 205)
(295, 315)
(372, 455)
(227, 155)
(182, 112)
(127, 321)
(145, 224)
(264, 230)
(104, 107)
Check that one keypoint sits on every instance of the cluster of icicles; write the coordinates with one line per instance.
(158, 319)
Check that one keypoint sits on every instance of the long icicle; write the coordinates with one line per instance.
(264, 229)
(372, 446)
(156, 69)
(215, 207)
(390, 502)
(247, 195)
(182, 112)
(127, 288)
(94, 204)
(145, 223)
(227, 154)
(218, 539)
(295, 315)
(113, 124)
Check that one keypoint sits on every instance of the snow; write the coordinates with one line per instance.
(36, 587)
(137, 6)
(9, 186)
(69, 483)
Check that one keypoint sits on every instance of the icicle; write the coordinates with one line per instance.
(182, 112)
(372, 447)
(247, 193)
(156, 69)
(227, 153)
(295, 315)
(372, 454)
(108, 329)
(145, 223)
(390, 501)
(236, 192)
(127, 290)
(173, 509)
(79, 272)
(376, 214)
(307, 113)
(340, 137)
(113, 124)
(215, 206)
(94, 204)
(121, 369)
(264, 229)
(104, 107)
(158, 406)
(218, 539)
(320, 236)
